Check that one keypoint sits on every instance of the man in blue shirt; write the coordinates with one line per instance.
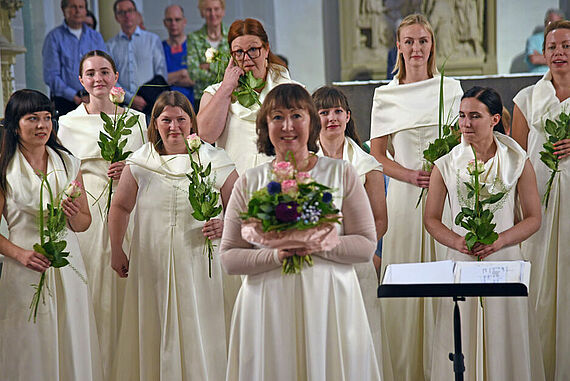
(175, 52)
(138, 55)
(62, 51)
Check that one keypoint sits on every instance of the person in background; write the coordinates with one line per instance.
(90, 20)
(339, 139)
(62, 50)
(535, 59)
(548, 250)
(139, 57)
(212, 34)
(175, 52)
(499, 337)
(222, 119)
(79, 130)
(404, 122)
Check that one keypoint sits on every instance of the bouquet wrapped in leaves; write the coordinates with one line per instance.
(201, 194)
(556, 130)
(51, 225)
(477, 218)
(292, 212)
(247, 83)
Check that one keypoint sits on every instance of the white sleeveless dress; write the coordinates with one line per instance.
(62, 344)
(501, 341)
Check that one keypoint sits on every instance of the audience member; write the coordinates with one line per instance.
(212, 34)
(175, 52)
(63, 48)
(534, 44)
(90, 20)
(138, 55)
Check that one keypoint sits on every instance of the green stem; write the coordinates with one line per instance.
(110, 195)
(36, 298)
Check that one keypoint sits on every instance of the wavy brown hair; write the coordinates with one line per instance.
(173, 99)
(560, 24)
(330, 97)
(288, 96)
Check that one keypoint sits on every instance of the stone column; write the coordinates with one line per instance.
(8, 50)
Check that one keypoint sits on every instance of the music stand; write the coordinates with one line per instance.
(457, 291)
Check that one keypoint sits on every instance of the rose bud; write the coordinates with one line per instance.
(117, 95)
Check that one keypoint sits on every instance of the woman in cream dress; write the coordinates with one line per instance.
(62, 343)
(312, 325)
(548, 250)
(339, 139)
(79, 131)
(222, 119)
(173, 324)
(500, 340)
(404, 122)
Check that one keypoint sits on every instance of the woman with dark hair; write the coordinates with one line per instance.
(311, 325)
(339, 139)
(79, 130)
(404, 123)
(509, 341)
(173, 324)
(62, 342)
(548, 250)
(222, 119)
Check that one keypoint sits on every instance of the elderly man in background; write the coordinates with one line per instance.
(175, 52)
(62, 50)
(534, 51)
(139, 58)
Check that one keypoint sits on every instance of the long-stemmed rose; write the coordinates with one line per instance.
(201, 194)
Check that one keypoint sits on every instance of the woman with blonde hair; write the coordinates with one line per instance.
(404, 122)
(548, 249)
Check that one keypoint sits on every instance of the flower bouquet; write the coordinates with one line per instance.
(110, 141)
(449, 136)
(555, 131)
(245, 92)
(475, 218)
(292, 212)
(201, 194)
(52, 230)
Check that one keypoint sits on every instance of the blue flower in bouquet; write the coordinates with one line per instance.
(287, 211)
(274, 187)
(327, 197)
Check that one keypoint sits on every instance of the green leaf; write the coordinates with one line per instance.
(493, 198)
(106, 119)
(470, 240)
(131, 121)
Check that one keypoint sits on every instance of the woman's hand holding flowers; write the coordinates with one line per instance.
(562, 148)
(419, 178)
(33, 260)
(213, 228)
(115, 170)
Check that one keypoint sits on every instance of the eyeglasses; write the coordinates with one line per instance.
(252, 52)
(126, 12)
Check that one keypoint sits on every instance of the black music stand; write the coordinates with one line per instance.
(458, 291)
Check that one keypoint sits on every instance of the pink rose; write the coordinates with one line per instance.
(303, 178)
(283, 170)
(193, 141)
(289, 187)
(117, 95)
(73, 190)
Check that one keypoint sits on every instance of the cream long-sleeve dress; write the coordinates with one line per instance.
(308, 326)
(62, 345)
(548, 249)
(408, 115)
(239, 138)
(367, 278)
(500, 342)
(173, 324)
(79, 132)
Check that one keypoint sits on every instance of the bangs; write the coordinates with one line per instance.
(289, 97)
(27, 102)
